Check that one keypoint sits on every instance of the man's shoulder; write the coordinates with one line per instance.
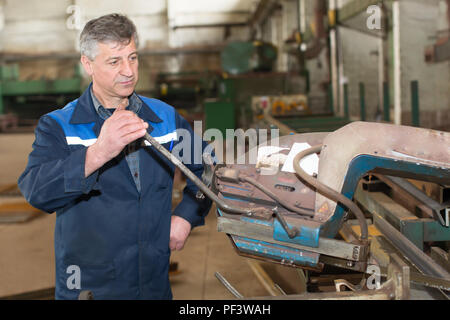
(157, 105)
(164, 111)
(62, 114)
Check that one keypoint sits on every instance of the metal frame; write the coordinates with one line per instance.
(330, 247)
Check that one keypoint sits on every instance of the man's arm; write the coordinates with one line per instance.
(122, 128)
(55, 176)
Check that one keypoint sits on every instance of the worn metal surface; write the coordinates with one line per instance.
(285, 204)
(328, 192)
(418, 202)
(432, 208)
(285, 185)
(423, 262)
(441, 257)
(227, 285)
(416, 229)
(396, 287)
(330, 247)
(381, 148)
(266, 281)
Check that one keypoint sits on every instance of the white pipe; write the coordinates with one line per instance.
(334, 71)
(381, 74)
(342, 79)
(397, 66)
(334, 63)
(302, 17)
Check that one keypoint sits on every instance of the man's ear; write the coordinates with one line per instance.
(87, 65)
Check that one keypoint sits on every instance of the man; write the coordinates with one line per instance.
(111, 192)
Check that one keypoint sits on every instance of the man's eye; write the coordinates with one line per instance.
(134, 58)
(113, 63)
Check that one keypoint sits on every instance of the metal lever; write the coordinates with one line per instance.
(204, 189)
(227, 285)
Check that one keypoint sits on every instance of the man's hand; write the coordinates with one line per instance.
(179, 231)
(122, 128)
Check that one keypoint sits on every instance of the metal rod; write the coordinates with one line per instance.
(346, 110)
(415, 103)
(435, 207)
(423, 262)
(206, 191)
(291, 232)
(263, 277)
(386, 102)
(327, 191)
(362, 100)
(227, 285)
(396, 64)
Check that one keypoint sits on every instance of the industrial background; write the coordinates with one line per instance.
(298, 65)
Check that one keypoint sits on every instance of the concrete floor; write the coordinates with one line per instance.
(27, 257)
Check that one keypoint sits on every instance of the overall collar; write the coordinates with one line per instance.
(85, 111)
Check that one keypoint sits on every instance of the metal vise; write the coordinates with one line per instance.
(280, 218)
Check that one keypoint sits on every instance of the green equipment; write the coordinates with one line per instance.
(240, 57)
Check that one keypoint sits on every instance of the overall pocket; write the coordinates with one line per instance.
(74, 277)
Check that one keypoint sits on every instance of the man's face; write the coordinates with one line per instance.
(114, 70)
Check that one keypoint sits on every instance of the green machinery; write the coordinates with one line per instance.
(247, 73)
(39, 96)
(232, 108)
(240, 57)
(186, 90)
(246, 67)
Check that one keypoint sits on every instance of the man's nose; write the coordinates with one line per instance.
(126, 69)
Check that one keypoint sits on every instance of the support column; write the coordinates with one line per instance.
(397, 63)
(334, 58)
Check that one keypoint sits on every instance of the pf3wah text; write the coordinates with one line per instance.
(226, 309)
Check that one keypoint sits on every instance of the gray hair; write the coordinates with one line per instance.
(115, 28)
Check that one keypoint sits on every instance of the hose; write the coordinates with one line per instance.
(275, 197)
(327, 191)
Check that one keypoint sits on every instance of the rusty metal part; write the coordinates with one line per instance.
(206, 191)
(331, 247)
(233, 175)
(266, 281)
(441, 257)
(282, 202)
(327, 191)
(380, 252)
(234, 238)
(228, 286)
(286, 187)
(415, 200)
(379, 148)
(395, 287)
(339, 283)
(423, 262)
